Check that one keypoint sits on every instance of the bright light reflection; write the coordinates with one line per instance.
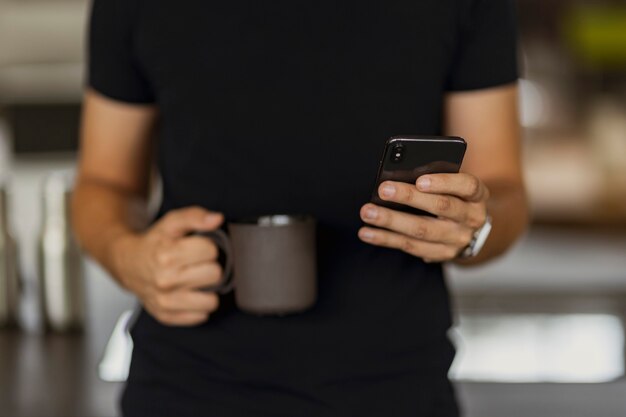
(539, 348)
(532, 104)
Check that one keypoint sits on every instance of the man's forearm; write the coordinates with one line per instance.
(103, 213)
(508, 209)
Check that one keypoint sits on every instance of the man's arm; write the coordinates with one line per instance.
(113, 173)
(162, 264)
(489, 122)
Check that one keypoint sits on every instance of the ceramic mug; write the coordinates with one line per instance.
(270, 263)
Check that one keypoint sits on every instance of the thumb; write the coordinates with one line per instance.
(178, 223)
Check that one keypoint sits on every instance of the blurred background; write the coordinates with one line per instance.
(540, 332)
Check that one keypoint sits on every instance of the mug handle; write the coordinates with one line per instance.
(222, 241)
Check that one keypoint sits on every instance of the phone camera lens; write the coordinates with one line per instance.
(397, 153)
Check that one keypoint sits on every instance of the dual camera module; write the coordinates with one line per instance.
(397, 153)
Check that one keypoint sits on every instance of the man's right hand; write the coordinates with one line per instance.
(165, 267)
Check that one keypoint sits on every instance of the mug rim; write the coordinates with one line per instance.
(275, 220)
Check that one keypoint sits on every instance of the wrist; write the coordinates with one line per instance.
(120, 247)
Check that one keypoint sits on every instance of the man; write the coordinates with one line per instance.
(283, 107)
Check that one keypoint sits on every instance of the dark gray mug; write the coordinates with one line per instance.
(270, 262)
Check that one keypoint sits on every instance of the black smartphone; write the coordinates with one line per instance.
(406, 158)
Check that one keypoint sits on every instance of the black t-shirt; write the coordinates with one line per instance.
(283, 106)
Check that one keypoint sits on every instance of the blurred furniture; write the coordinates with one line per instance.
(41, 51)
(41, 71)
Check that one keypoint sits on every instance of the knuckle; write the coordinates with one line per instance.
(164, 258)
(407, 194)
(407, 246)
(384, 218)
(477, 219)
(161, 302)
(474, 186)
(420, 231)
(443, 204)
(162, 282)
(464, 238)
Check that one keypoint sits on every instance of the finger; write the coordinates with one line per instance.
(432, 252)
(195, 276)
(181, 318)
(187, 251)
(446, 206)
(465, 186)
(200, 275)
(178, 223)
(418, 227)
(187, 300)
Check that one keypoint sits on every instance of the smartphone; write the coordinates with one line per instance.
(406, 158)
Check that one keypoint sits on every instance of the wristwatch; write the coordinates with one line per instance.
(478, 240)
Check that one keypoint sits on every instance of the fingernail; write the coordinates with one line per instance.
(423, 183)
(371, 213)
(389, 190)
(209, 218)
(367, 234)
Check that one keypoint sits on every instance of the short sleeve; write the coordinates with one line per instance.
(486, 53)
(113, 68)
